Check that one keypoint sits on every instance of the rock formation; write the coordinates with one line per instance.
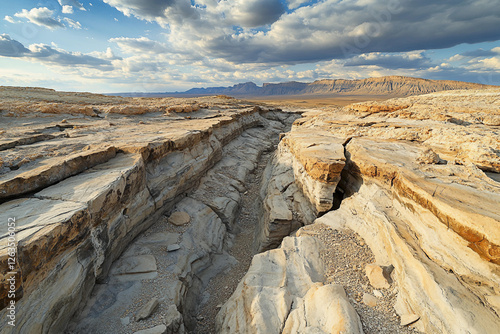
(421, 187)
(383, 86)
(125, 209)
(91, 184)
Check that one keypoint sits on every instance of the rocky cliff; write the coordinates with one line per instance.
(390, 85)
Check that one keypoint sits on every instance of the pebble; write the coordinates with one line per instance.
(173, 247)
(369, 300)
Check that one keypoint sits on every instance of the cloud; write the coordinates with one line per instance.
(139, 45)
(70, 3)
(72, 23)
(47, 54)
(41, 16)
(334, 29)
(478, 53)
(296, 3)
(10, 19)
(415, 60)
(11, 48)
(252, 13)
(67, 9)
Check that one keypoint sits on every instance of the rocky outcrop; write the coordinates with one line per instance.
(298, 184)
(418, 193)
(283, 206)
(283, 292)
(76, 216)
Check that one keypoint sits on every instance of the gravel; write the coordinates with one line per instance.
(346, 256)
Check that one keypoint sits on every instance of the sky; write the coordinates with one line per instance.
(106, 46)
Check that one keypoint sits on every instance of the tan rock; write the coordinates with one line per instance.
(179, 218)
(408, 319)
(325, 309)
(276, 278)
(369, 300)
(428, 156)
(376, 276)
(147, 309)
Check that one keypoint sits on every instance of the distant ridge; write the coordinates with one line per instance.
(389, 85)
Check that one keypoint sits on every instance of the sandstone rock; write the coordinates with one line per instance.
(376, 276)
(408, 319)
(275, 280)
(113, 196)
(369, 300)
(428, 156)
(184, 108)
(179, 218)
(324, 309)
(281, 197)
(317, 160)
(146, 310)
(433, 222)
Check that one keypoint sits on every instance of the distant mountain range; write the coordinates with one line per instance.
(389, 85)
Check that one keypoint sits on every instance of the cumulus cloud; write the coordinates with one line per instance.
(47, 54)
(333, 29)
(11, 48)
(296, 3)
(161, 11)
(321, 30)
(69, 4)
(67, 9)
(478, 53)
(41, 16)
(252, 13)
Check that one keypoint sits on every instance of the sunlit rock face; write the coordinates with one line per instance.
(420, 182)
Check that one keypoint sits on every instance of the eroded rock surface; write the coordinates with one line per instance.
(283, 292)
(87, 185)
(421, 187)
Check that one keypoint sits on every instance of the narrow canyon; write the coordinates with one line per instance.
(217, 215)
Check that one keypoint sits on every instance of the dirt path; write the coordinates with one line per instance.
(223, 285)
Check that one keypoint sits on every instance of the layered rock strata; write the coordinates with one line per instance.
(298, 184)
(200, 243)
(90, 185)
